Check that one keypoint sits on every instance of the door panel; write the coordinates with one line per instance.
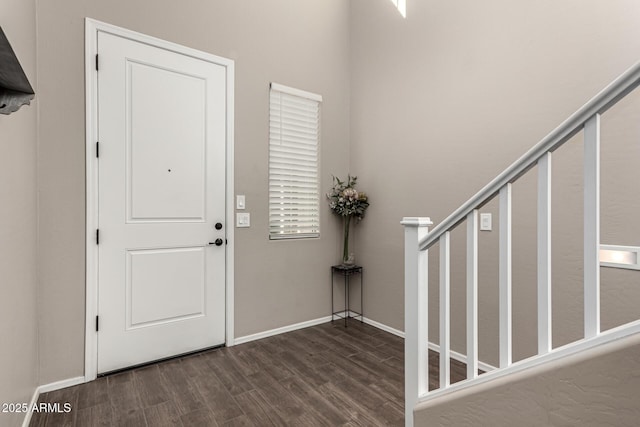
(161, 286)
(152, 295)
(167, 181)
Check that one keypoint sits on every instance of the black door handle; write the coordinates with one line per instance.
(218, 242)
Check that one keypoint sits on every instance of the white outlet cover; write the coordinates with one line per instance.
(485, 222)
(243, 220)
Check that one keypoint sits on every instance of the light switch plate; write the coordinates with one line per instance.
(243, 220)
(240, 201)
(485, 222)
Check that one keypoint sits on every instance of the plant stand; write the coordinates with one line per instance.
(346, 271)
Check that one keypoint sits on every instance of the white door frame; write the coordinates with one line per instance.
(92, 28)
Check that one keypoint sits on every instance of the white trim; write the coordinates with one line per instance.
(577, 347)
(69, 382)
(314, 322)
(34, 399)
(282, 330)
(91, 188)
(296, 92)
(92, 27)
(416, 221)
(45, 389)
(619, 248)
(383, 327)
(230, 219)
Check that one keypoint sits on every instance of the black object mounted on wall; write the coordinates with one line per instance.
(15, 89)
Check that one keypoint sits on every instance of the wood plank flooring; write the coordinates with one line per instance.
(326, 375)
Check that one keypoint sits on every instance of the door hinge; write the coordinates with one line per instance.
(98, 149)
(96, 62)
(97, 236)
(97, 323)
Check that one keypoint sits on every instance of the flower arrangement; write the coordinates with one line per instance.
(346, 201)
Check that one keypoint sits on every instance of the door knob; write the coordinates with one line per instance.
(218, 242)
(218, 226)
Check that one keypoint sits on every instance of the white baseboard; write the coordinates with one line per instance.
(384, 327)
(282, 330)
(34, 400)
(47, 388)
(60, 384)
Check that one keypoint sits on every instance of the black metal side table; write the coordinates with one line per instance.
(346, 271)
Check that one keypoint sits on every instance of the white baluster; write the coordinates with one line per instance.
(472, 294)
(544, 254)
(445, 308)
(505, 276)
(592, 227)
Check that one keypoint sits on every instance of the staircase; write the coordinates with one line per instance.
(418, 241)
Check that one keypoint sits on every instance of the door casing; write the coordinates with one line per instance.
(92, 27)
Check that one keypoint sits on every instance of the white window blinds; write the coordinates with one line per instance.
(294, 135)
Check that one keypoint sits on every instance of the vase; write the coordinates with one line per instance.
(347, 258)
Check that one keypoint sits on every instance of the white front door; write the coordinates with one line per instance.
(162, 137)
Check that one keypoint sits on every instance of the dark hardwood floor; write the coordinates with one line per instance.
(326, 375)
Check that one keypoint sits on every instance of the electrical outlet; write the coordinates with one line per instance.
(243, 220)
(485, 222)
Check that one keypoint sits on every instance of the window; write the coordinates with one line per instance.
(401, 5)
(294, 190)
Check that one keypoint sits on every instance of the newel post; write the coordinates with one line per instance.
(416, 356)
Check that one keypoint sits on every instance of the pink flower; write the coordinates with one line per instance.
(350, 193)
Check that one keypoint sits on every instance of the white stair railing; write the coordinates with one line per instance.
(418, 240)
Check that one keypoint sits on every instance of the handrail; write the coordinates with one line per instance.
(600, 103)
(418, 239)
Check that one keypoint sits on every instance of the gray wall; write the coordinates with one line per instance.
(444, 100)
(18, 210)
(299, 44)
(408, 105)
(595, 388)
